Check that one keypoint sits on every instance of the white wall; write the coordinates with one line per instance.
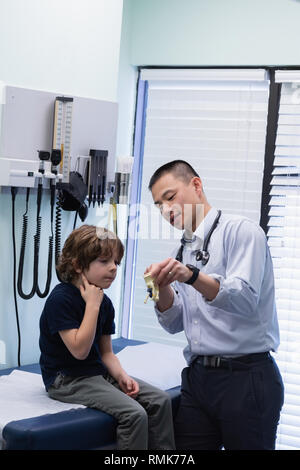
(215, 32)
(66, 46)
(71, 46)
(126, 85)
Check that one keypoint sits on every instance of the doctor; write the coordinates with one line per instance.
(219, 288)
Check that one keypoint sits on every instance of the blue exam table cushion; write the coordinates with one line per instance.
(82, 428)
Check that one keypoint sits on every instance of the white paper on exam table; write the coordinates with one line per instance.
(23, 395)
(158, 364)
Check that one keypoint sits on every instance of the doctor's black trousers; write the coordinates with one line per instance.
(235, 406)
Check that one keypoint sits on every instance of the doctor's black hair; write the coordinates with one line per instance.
(179, 168)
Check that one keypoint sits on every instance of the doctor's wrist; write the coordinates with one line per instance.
(192, 274)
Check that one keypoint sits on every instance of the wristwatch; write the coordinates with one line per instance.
(195, 273)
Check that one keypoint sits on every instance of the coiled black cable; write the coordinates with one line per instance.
(37, 239)
(49, 267)
(13, 195)
(57, 236)
(50, 248)
(22, 256)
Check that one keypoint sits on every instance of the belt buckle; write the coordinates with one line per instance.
(212, 361)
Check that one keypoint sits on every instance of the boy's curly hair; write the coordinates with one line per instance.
(83, 246)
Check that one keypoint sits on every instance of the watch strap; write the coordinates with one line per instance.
(195, 274)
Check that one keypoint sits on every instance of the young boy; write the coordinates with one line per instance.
(77, 361)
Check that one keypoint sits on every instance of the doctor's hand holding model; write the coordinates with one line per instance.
(219, 288)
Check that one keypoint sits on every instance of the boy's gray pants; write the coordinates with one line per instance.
(143, 423)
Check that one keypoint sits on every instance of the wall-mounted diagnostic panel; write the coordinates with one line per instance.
(36, 123)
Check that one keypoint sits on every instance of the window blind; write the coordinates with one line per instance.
(284, 242)
(216, 120)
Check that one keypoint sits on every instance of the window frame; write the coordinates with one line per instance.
(138, 152)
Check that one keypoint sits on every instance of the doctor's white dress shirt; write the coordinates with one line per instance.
(242, 319)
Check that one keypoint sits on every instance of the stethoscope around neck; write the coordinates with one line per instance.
(201, 255)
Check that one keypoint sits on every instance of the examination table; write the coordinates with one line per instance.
(74, 429)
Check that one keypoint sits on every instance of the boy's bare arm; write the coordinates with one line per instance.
(109, 358)
(126, 383)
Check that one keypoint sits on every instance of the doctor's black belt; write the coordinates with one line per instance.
(201, 255)
(239, 362)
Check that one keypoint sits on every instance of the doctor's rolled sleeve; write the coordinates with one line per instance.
(240, 288)
(242, 318)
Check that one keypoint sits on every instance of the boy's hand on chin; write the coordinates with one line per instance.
(90, 293)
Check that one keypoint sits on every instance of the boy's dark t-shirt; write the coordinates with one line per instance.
(63, 310)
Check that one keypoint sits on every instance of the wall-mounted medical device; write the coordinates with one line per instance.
(48, 142)
(123, 179)
(33, 121)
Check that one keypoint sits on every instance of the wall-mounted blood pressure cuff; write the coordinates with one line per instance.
(73, 194)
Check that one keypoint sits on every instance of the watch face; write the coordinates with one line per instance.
(191, 267)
